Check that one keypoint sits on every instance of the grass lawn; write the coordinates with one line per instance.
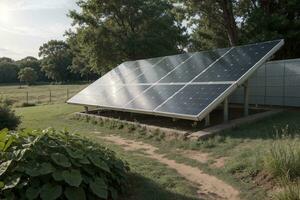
(39, 94)
(151, 180)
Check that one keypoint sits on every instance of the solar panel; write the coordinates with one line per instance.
(153, 97)
(192, 99)
(185, 86)
(192, 67)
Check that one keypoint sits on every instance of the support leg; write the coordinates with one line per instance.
(246, 99)
(207, 120)
(86, 109)
(225, 109)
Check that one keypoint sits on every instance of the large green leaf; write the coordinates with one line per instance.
(46, 168)
(98, 162)
(84, 160)
(33, 170)
(8, 143)
(61, 159)
(114, 193)
(73, 193)
(50, 191)
(4, 166)
(74, 153)
(57, 175)
(72, 177)
(19, 154)
(2, 184)
(2, 145)
(32, 192)
(99, 188)
(12, 181)
(3, 135)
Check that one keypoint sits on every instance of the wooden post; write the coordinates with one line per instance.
(67, 93)
(86, 109)
(225, 110)
(246, 99)
(50, 96)
(207, 120)
(27, 98)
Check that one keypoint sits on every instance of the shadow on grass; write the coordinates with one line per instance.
(146, 189)
(285, 123)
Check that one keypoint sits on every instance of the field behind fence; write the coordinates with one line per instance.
(39, 94)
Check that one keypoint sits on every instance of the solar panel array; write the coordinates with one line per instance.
(185, 86)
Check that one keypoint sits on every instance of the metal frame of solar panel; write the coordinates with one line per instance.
(187, 86)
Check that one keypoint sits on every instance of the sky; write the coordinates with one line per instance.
(26, 24)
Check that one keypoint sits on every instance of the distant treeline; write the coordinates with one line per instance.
(106, 33)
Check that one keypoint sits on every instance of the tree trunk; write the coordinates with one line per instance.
(229, 21)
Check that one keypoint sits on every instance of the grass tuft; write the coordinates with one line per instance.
(283, 158)
(290, 190)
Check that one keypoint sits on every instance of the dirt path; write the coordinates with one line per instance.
(209, 187)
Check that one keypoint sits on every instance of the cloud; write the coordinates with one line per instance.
(55, 30)
(9, 53)
(30, 23)
(23, 5)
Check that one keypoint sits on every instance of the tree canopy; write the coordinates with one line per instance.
(27, 75)
(56, 58)
(8, 72)
(109, 32)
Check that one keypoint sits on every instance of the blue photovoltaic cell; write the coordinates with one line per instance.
(192, 99)
(153, 97)
(236, 62)
(127, 71)
(193, 66)
(154, 74)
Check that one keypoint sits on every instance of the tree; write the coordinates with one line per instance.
(8, 72)
(213, 23)
(6, 59)
(80, 63)
(27, 75)
(56, 58)
(35, 64)
(109, 32)
(267, 20)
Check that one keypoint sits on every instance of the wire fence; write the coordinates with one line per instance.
(39, 95)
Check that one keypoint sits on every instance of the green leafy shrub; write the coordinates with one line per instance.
(52, 165)
(8, 119)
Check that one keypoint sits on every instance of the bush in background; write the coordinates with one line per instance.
(58, 165)
(8, 119)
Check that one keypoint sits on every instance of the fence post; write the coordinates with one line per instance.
(27, 97)
(67, 93)
(50, 96)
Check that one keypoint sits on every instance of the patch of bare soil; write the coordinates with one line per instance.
(209, 187)
(196, 155)
(265, 180)
(204, 158)
(219, 162)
